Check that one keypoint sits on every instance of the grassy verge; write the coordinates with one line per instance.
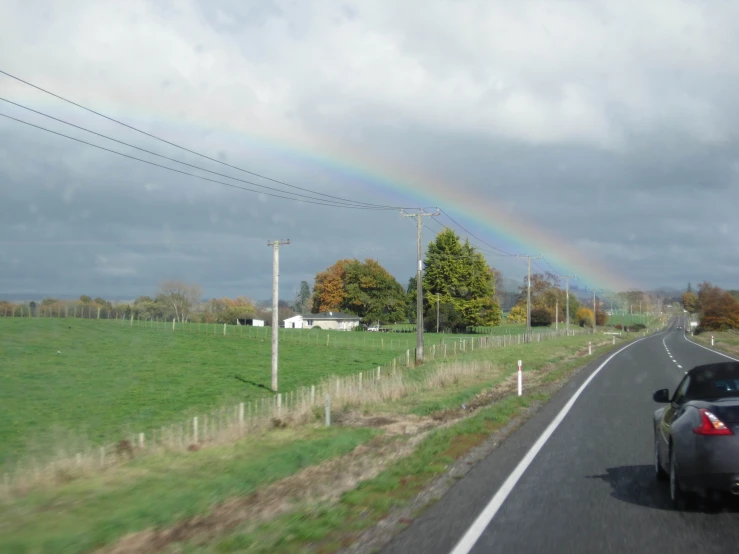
(328, 527)
(725, 341)
(157, 491)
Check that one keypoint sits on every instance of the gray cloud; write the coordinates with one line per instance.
(612, 124)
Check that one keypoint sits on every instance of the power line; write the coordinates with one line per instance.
(341, 204)
(481, 249)
(476, 237)
(179, 146)
(316, 201)
(550, 265)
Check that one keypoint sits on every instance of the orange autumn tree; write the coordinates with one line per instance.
(328, 288)
(365, 289)
(719, 309)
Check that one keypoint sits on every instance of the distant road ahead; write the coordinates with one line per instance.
(591, 488)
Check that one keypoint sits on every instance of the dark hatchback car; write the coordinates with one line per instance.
(696, 436)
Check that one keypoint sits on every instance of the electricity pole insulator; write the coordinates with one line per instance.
(275, 244)
(419, 279)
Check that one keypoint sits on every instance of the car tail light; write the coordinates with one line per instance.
(711, 425)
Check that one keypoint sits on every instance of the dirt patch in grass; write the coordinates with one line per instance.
(325, 482)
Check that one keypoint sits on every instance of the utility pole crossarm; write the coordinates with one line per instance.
(419, 278)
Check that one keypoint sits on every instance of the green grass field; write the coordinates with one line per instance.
(110, 375)
(113, 378)
(156, 491)
(628, 319)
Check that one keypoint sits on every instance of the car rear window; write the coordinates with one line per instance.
(713, 388)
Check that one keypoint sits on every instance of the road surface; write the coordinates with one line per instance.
(591, 487)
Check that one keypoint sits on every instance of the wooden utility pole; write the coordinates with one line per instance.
(419, 281)
(595, 312)
(528, 298)
(437, 313)
(567, 294)
(275, 244)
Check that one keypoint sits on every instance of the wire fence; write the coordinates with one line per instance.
(220, 425)
(329, 338)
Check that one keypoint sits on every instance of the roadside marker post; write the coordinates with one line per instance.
(520, 378)
(590, 348)
(711, 340)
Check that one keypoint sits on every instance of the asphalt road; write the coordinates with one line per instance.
(591, 487)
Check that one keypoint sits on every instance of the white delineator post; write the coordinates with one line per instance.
(711, 340)
(520, 378)
(590, 348)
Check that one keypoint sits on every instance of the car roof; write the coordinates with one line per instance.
(723, 370)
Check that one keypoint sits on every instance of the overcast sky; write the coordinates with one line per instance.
(612, 125)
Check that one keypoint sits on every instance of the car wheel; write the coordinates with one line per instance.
(681, 499)
(659, 472)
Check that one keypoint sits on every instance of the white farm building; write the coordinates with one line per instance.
(326, 320)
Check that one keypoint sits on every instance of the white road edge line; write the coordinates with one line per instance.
(471, 536)
(710, 349)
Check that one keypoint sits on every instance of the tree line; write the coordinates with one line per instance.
(461, 291)
(718, 309)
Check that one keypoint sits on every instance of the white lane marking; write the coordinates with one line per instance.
(477, 528)
(678, 365)
(709, 349)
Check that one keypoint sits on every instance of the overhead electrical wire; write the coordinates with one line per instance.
(261, 176)
(340, 204)
(315, 201)
(481, 249)
(503, 252)
(326, 200)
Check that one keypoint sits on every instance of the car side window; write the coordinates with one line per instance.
(682, 388)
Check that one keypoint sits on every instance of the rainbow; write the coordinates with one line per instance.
(492, 221)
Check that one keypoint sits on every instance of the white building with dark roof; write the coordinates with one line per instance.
(336, 321)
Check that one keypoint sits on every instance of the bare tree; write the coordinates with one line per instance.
(180, 297)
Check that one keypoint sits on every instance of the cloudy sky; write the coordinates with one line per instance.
(601, 134)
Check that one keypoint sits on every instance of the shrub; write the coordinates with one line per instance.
(541, 317)
(584, 317)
